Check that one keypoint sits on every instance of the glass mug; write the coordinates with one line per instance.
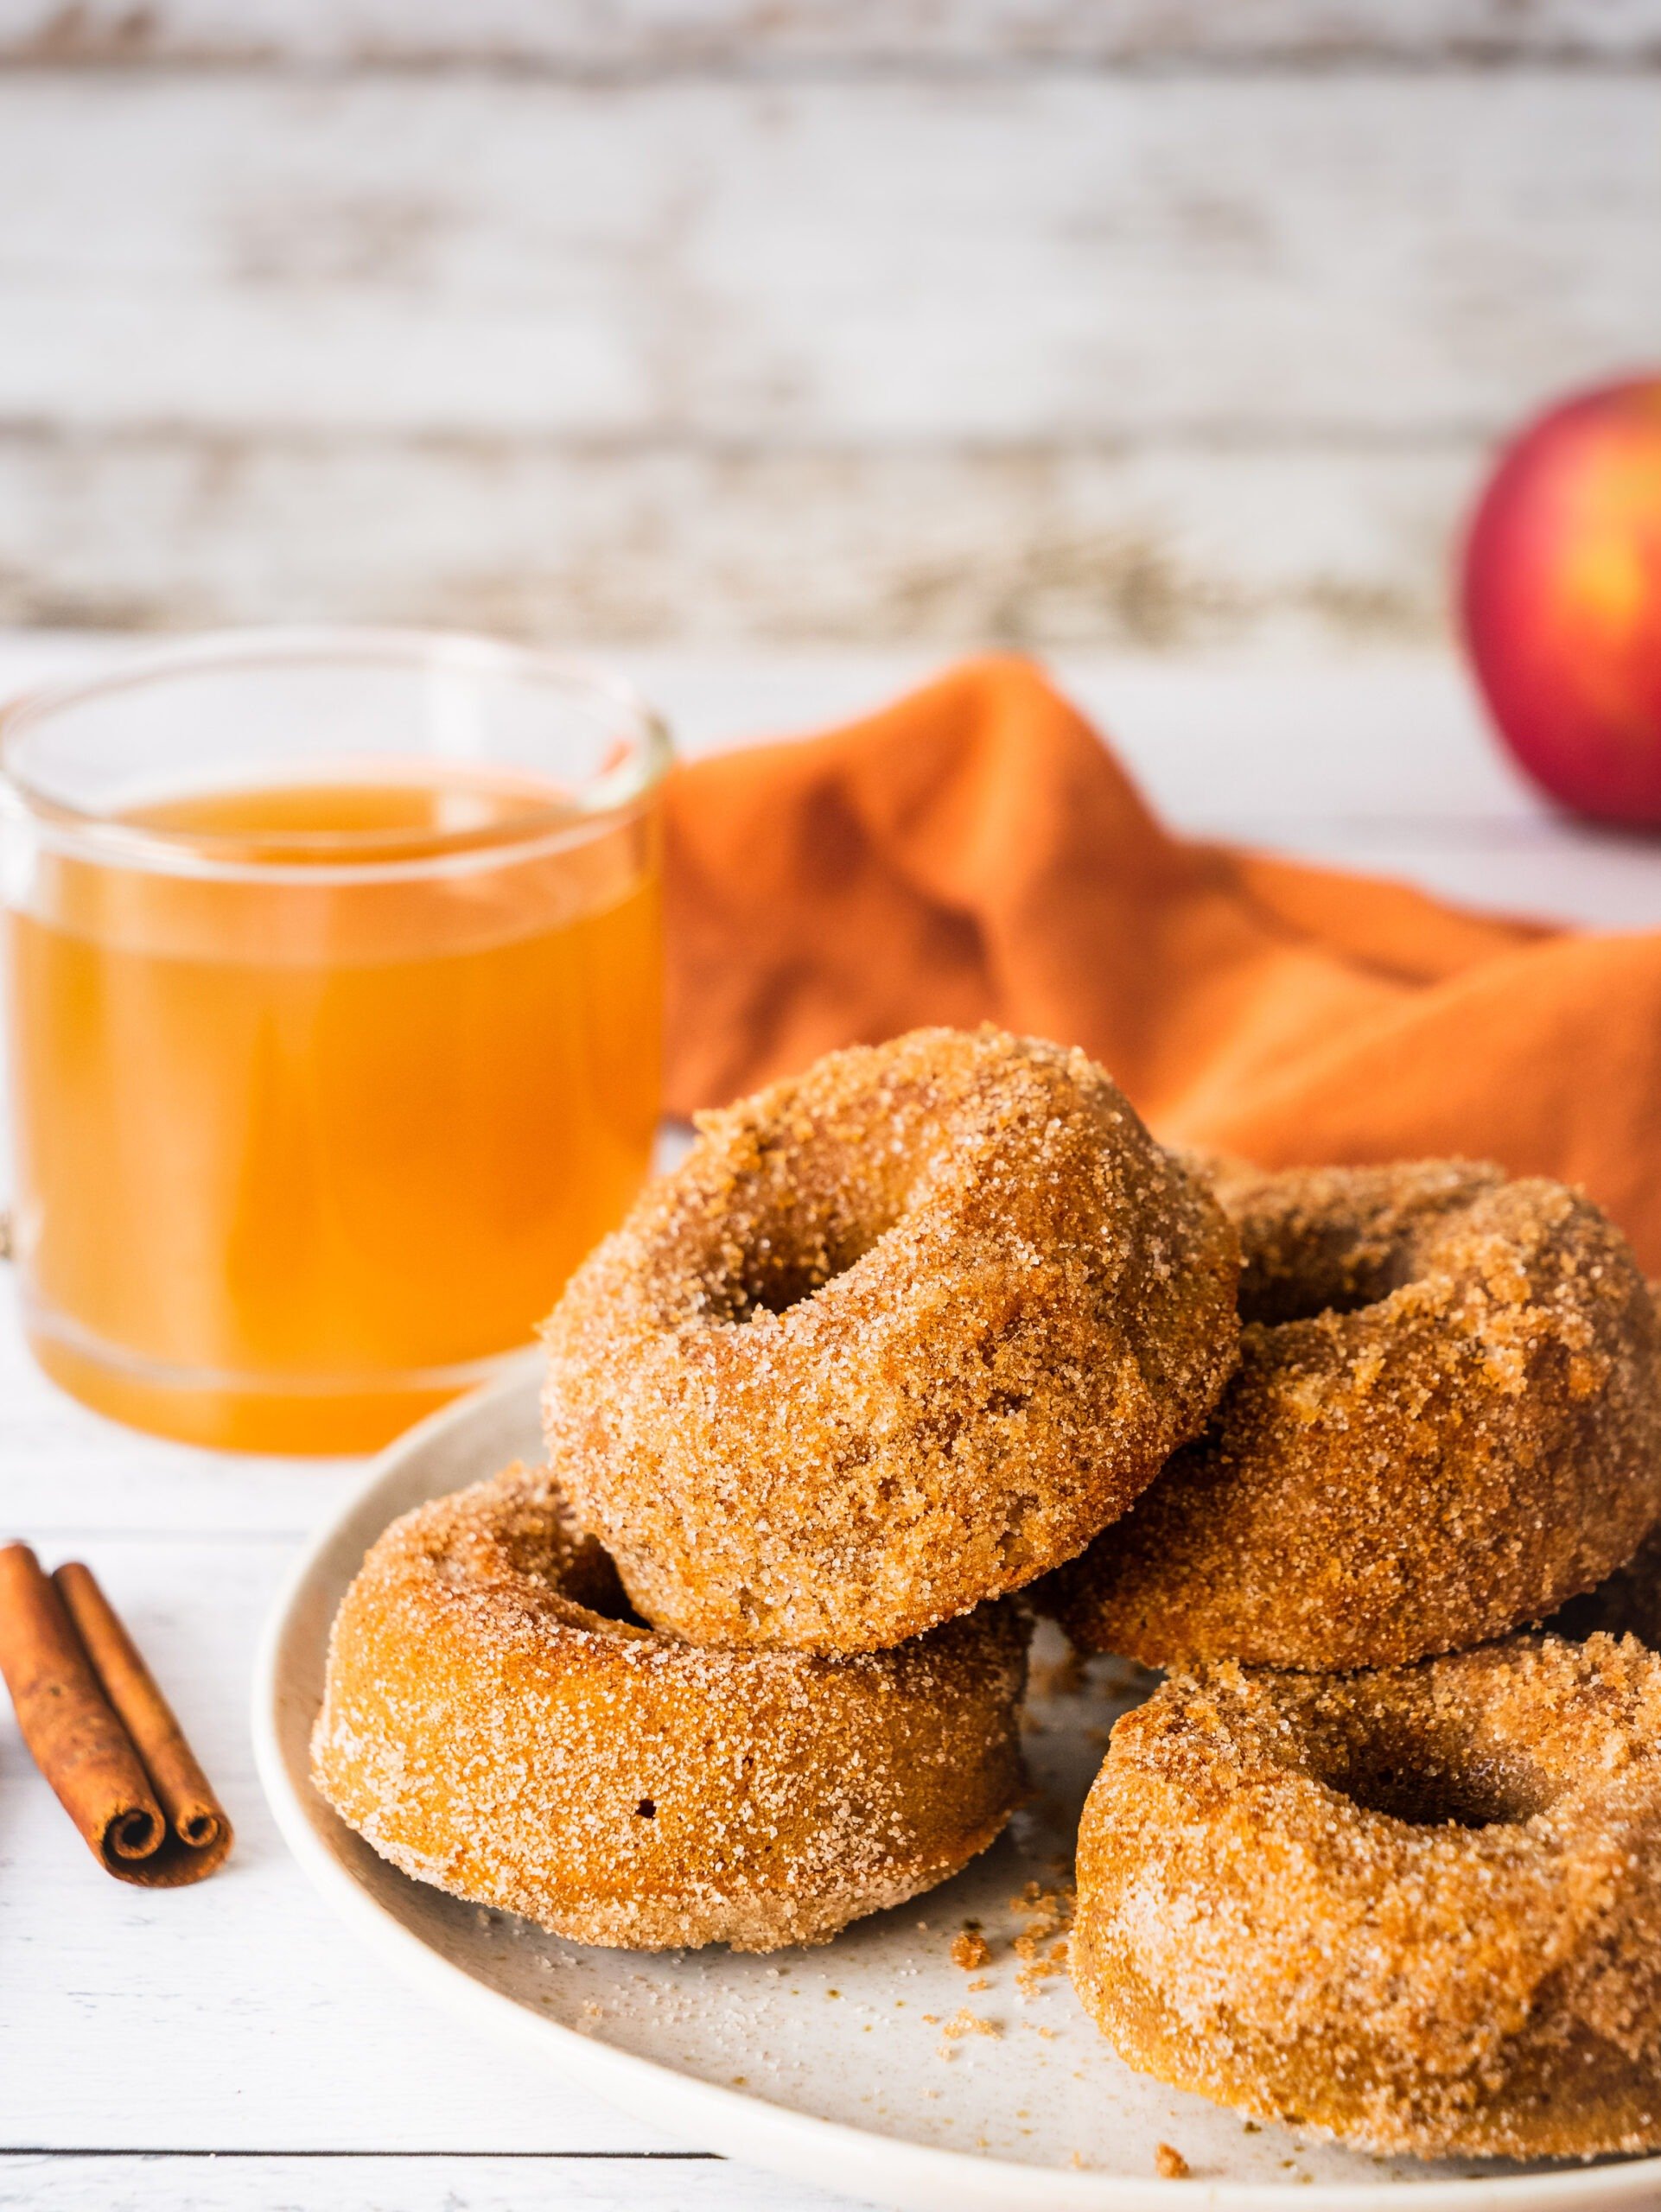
(334, 979)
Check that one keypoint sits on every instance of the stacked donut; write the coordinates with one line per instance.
(1365, 1860)
(742, 1662)
(937, 1322)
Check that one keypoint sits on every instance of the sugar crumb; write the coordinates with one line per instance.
(970, 1950)
(965, 2023)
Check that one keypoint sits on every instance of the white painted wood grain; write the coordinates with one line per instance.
(1052, 261)
(663, 34)
(1059, 357)
(388, 2184)
(1164, 545)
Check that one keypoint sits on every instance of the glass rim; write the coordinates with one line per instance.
(351, 856)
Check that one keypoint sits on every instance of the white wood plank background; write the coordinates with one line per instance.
(586, 34)
(1028, 320)
(224, 2046)
(505, 2182)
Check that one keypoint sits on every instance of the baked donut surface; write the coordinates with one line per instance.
(493, 1723)
(897, 1336)
(1419, 1909)
(1446, 1420)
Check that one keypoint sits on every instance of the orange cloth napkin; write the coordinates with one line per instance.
(974, 853)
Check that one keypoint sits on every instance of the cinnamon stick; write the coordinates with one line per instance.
(91, 1750)
(195, 1818)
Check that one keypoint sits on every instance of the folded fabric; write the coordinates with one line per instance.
(974, 853)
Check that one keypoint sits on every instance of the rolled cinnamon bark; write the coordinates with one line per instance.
(68, 1724)
(88, 1748)
(195, 1819)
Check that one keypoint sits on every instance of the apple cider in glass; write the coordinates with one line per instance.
(323, 1083)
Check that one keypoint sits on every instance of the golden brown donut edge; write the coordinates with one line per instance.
(1418, 1909)
(490, 1725)
(1446, 1421)
(895, 1338)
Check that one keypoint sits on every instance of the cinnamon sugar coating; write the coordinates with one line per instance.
(1446, 1420)
(897, 1336)
(1418, 1909)
(492, 1725)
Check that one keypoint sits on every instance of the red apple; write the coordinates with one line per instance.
(1563, 600)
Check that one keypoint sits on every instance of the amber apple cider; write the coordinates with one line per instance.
(303, 1146)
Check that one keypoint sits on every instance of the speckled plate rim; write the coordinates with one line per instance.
(820, 2153)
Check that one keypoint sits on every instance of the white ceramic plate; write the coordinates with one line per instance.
(831, 2065)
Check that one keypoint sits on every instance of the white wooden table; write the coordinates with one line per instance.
(226, 2045)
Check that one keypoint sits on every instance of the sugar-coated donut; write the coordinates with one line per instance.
(1446, 1420)
(494, 1724)
(1419, 1908)
(897, 1336)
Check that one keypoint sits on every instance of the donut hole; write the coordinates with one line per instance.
(1430, 1797)
(614, 1605)
(1317, 1241)
(581, 1568)
(1435, 1779)
(1345, 1278)
(791, 1282)
(791, 1260)
(816, 1200)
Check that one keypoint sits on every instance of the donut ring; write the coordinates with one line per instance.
(1447, 1420)
(1419, 1909)
(493, 1724)
(895, 1336)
